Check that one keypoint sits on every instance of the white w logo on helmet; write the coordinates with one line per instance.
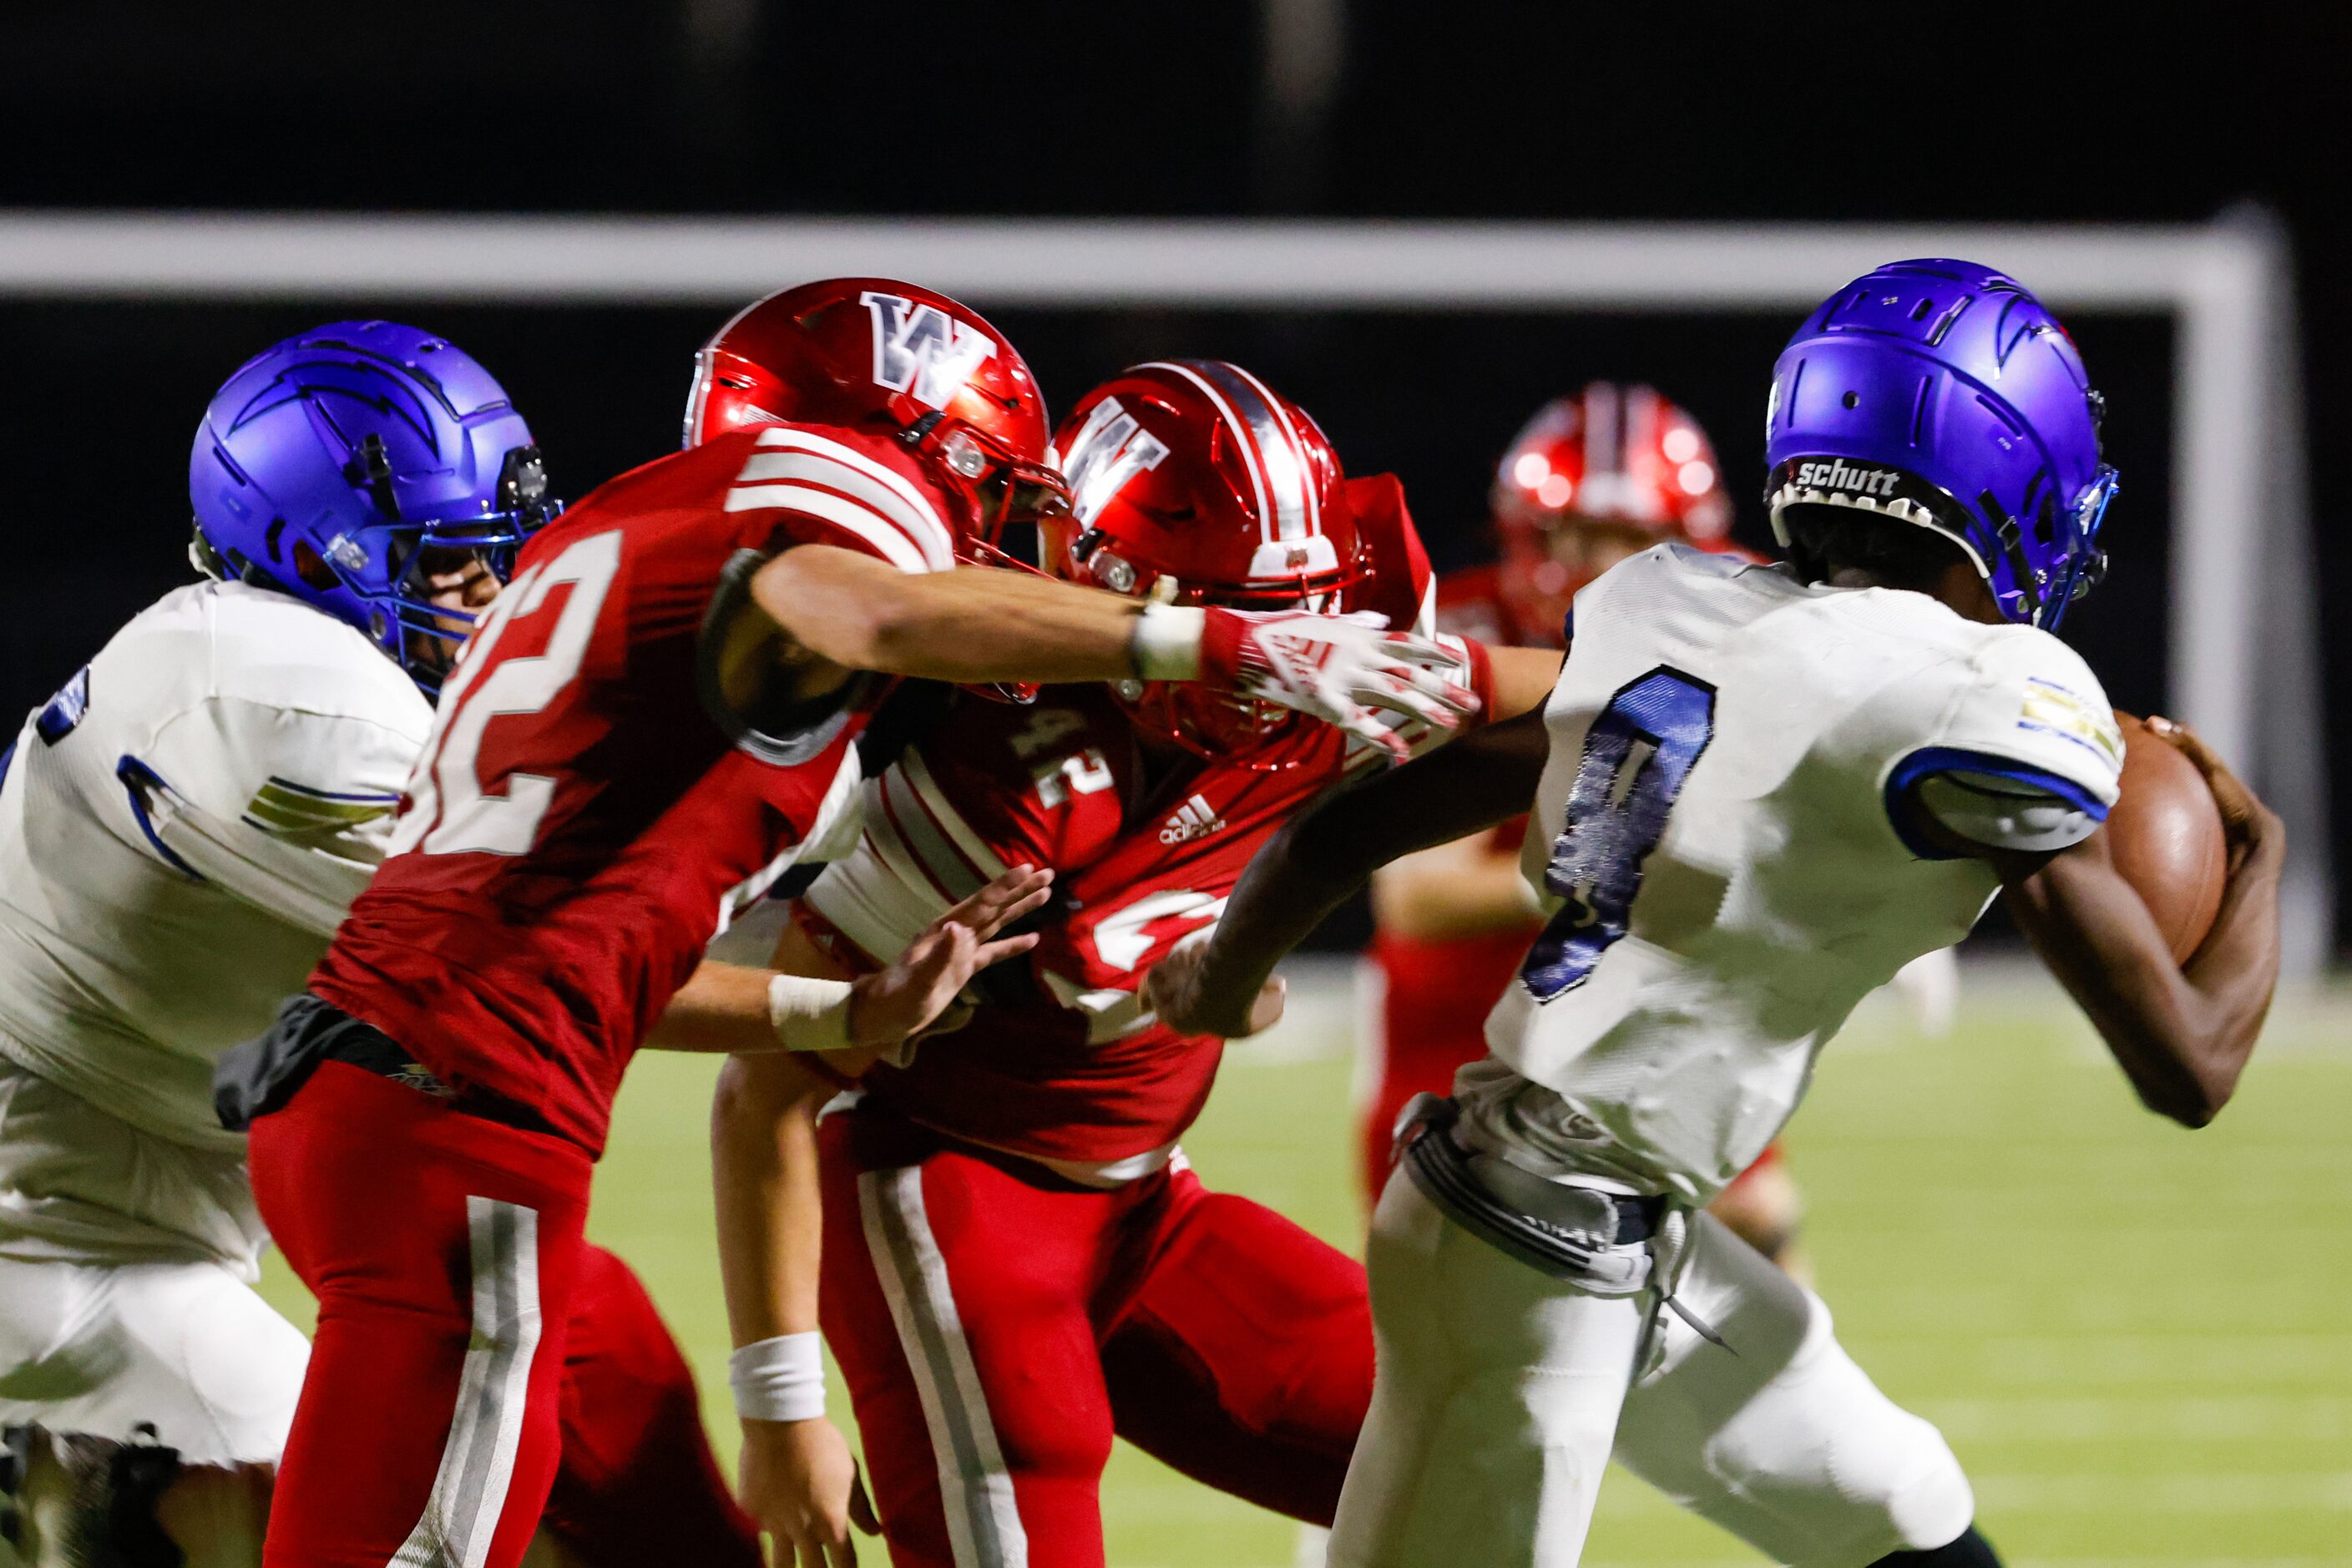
(1110, 449)
(922, 350)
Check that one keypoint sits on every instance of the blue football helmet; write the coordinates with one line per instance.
(336, 465)
(1942, 394)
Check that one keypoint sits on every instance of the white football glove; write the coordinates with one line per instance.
(1343, 669)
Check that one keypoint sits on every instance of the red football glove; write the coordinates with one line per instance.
(1341, 669)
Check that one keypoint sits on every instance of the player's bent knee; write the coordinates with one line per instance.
(1912, 1474)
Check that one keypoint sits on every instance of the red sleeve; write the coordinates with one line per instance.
(1402, 577)
(1481, 679)
(824, 486)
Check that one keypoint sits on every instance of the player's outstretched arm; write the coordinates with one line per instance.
(1523, 679)
(1463, 888)
(977, 624)
(2181, 1033)
(1307, 870)
(743, 1011)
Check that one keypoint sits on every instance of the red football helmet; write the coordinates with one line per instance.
(1192, 482)
(1593, 478)
(869, 352)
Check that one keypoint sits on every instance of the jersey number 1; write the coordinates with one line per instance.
(450, 813)
(1636, 756)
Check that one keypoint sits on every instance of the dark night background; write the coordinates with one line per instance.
(1467, 109)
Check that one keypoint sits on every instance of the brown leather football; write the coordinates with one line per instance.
(2166, 836)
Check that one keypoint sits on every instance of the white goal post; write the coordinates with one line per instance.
(2244, 636)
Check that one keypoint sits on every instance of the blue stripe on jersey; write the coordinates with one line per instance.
(1929, 761)
(138, 777)
(377, 796)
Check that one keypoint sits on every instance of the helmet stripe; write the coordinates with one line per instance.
(1294, 447)
(1191, 372)
(1198, 375)
(1277, 447)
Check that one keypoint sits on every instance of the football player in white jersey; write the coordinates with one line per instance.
(1759, 791)
(181, 828)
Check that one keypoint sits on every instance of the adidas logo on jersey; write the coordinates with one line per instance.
(1196, 818)
(1837, 475)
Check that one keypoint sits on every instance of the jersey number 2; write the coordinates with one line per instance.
(1636, 756)
(450, 813)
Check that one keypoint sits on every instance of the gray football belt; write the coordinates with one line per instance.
(1601, 1243)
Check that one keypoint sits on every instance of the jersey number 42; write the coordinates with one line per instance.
(1636, 755)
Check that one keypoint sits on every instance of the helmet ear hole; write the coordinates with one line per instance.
(313, 570)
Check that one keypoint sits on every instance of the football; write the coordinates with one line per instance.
(2166, 836)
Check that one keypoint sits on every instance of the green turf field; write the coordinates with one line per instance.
(2138, 1338)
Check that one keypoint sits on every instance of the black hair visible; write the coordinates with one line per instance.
(1825, 540)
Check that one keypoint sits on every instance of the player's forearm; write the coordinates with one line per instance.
(1321, 857)
(2236, 970)
(1524, 678)
(2182, 1036)
(1459, 889)
(970, 625)
(771, 1215)
(722, 1007)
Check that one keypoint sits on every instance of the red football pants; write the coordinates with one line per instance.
(468, 1338)
(996, 1327)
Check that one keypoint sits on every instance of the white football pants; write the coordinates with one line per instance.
(1501, 1393)
(123, 1296)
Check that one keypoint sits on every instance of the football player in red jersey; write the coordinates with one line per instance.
(1595, 477)
(653, 722)
(1020, 1262)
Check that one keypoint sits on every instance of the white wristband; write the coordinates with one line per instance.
(781, 1379)
(809, 1015)
(1167, 642)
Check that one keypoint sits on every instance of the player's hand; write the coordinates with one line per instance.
(2251, 829)
(1172, 989)
(1343, 669)
(917, 992)
(798, 1480)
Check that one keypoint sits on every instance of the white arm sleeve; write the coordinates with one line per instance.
(2026, 755)
(286, 809)
(2000, 813)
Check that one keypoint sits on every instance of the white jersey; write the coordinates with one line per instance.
(1713, 840)
(181, 830)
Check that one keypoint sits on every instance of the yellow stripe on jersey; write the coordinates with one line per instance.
(280, 808)
(2052, 707)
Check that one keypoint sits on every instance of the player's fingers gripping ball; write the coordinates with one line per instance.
(2166, 832)
(2244, 817)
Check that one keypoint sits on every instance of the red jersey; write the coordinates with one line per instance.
(1063, 1065)
(581, 821)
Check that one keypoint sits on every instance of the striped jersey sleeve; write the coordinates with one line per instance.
(917, 859)
(992, 787)
(2024, 752)
(861, 500)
